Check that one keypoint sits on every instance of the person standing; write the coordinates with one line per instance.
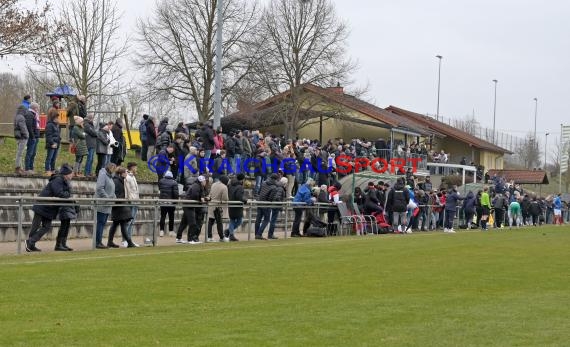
(557, 207)
(78, 133)
(279, 195)
(151, 136)
(120, 213)
(131, 193)
(451, 201)
(469, 208)
(143, 137)
(266, 194)
(499, 205)
(397, 202)
(194, 214)
(168, 189)
(21, 135)
(33, 125)
(53, 140)
(91, 142)
(118, 150)
(104, 189)
(485, 208)
(103, 145)
(57, 187)
(303, 196)
(236, 196)
(219, 198)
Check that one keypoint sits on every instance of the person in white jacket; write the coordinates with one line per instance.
(131, 193)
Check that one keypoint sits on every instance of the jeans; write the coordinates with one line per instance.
(398, 218)
(261, 220)
(258, 181)
(134, 210)
(101, 221)
(31, 149)
(274, 216)
(51, 157)
(20, 152)
(449, 216)
(89, 162)
(236, 164)
(234, 224)
(207, 153)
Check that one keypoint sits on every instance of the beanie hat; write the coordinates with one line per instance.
(78, 119)
(240, 177)
(201, 178)
(224, 179)
(168, 174)
(65, 169)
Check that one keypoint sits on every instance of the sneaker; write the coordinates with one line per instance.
(399, 228)
(409, 231)
(171, 234)
(445, 230)
(136, 244)
(273, 237)
(125, 244)
(233, 238)
(161, 234)
(30, 247)
(225, 239)
(195, 242)
(260, 237)
(181, 241)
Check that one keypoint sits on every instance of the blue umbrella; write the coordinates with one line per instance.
(62, 91)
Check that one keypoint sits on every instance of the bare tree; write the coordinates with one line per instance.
(11, 94)
(178, 43)
(469, 124)
(528, 152)
(89, 49)
(23, 31)
(300, 42)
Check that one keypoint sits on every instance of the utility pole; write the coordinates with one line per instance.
(438, 85)
(99, 100)
(218, 71)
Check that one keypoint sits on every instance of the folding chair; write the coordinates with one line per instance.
(346, 218)
(368, 219)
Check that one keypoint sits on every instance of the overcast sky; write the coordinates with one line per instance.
(524, 44)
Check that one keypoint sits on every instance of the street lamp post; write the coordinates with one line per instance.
(545, 156)
(218, 67)
(535, 113)
(495, 110)
(438, 85)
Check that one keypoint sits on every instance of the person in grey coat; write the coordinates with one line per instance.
(21, 134)
(120, 213)
(105, 188)
(451, 201)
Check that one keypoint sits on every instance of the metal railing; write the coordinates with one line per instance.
(153, 205)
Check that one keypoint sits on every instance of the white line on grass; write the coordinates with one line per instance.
(191, 249)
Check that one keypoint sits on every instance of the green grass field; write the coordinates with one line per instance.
(430, 289)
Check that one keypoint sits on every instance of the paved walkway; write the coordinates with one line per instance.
(9, 248)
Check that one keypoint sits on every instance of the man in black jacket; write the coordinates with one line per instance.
(207, 136)
(44, 213)
(398, 200)
(33, 125)
(235, 196)
(193, 216)
(264, 213)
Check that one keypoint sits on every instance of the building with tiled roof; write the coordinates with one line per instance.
(330, 113)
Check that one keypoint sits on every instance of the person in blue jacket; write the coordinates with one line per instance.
(303, 197)
(557, 210)
(451, 202)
